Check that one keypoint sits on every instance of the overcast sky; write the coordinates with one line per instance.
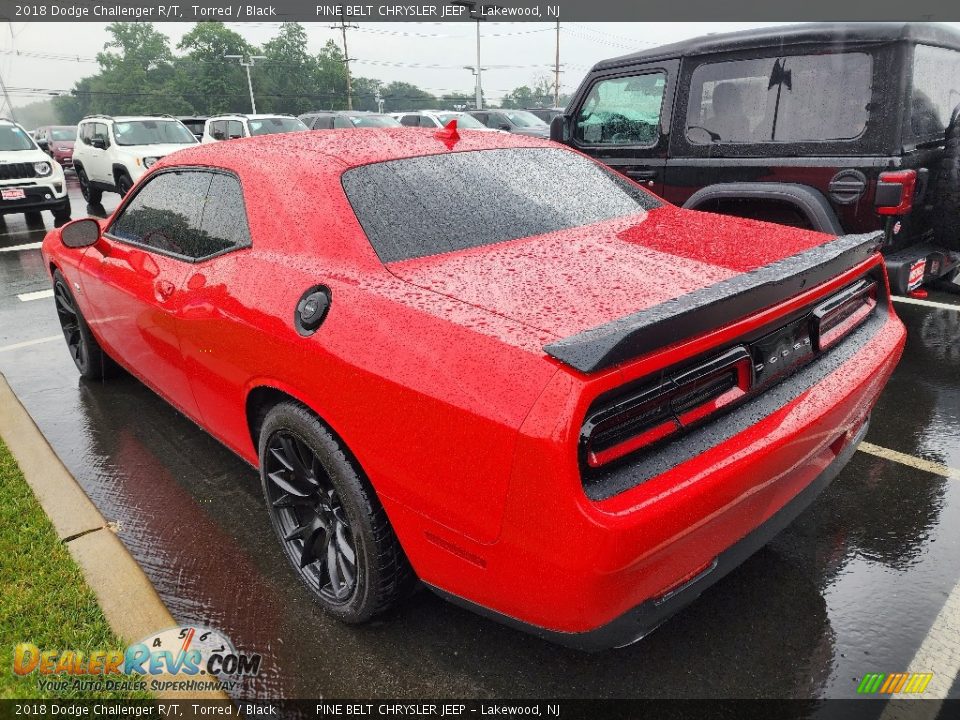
(388, 51)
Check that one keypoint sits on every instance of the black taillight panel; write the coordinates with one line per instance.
(683, 398)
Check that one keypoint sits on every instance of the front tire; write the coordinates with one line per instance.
(328, 518)
(124, 184)
(90, 359)
(92, 195)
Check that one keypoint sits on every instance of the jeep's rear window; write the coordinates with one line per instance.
(800, 98)
(936, 90)
(442, 203)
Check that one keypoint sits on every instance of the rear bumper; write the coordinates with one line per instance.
(643, 619)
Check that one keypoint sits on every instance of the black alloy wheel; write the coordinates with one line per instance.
(307, 509)
(70, 324)
(328, 518)
(90, 359)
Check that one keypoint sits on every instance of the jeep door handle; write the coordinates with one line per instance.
(642, 174)
(164, 289)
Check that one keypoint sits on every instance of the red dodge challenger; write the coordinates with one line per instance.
(486, 362)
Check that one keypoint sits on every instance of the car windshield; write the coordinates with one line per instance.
(524, 119)
(13, 138)
(407, 214)
(374, 121)
(152, 132)
(269, 126)
(63, 134)
(464, 121)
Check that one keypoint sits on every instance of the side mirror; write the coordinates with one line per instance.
(43, 144)
(80, 233)
(99, 142)
(558, 127)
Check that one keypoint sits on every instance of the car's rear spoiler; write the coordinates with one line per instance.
(712, 307)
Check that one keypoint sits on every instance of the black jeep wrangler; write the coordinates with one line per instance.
(839, 127)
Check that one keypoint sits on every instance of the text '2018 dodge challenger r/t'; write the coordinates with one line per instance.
(486, 362)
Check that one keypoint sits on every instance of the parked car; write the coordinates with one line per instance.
(194, 124)
(57, 142)
(112, 153)
(837, 127)
(347, 120)
(232, 127)
(546, 114)
(29, 181)
(520, 122)
(440, 118)
(570, 411)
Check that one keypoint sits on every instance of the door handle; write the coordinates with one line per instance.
(642, 174)
(164, 289)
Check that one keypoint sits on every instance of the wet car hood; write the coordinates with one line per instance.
(568, 281)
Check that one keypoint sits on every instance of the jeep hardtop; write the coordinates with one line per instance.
(837, 127)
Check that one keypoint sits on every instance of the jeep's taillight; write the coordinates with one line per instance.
(658, 410)
(894, 195)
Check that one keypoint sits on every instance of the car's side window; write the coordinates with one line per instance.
(218, 129)
(224, 222)
(192, 214)
(623, 111)
(410, 120)
(234, 129)
(342, 122)
(482, 117)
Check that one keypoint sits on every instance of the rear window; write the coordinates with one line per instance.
(801, 98)
(936, 90)
(436, 204)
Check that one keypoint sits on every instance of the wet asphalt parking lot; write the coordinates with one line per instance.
(862, 582)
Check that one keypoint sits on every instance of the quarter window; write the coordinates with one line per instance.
(936, 90)
(803, 98)
(623, 111)
(190, 214)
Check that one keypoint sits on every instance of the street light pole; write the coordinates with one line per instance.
(248, 63)
(476, 15)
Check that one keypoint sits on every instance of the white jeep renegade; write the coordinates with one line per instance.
(29, 180)
(111, 153)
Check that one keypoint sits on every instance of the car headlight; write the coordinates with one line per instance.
(42, 169)
(149, 161)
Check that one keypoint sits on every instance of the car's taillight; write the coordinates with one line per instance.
(659, 410)
(836, 317)
(894, 195)
(681, 398)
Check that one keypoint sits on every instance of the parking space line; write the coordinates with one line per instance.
(910, 460)
(38, 295)
(925, 303)
(18, 248)
(28, 343)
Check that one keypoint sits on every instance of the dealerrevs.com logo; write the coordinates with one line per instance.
(185, 658)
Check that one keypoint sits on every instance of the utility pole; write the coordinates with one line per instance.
(556, 71)
(247, 62)
(3, 86)
(343, 27)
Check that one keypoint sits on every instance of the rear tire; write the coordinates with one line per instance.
(92, 195)
(90, 359)
(328, 518)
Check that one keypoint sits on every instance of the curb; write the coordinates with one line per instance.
(129, 601)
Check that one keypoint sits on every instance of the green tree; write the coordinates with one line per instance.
(210, 83)
(288, 79)
(401, 96)
(365, 93)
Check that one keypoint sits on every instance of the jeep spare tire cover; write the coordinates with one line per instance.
(946, 188)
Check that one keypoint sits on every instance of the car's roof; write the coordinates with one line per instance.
(247, 116)
(833, 34)
(126, 118)
(351, 147)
